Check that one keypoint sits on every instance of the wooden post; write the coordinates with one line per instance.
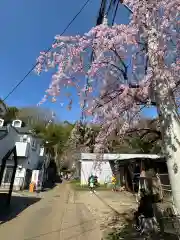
(13, 175)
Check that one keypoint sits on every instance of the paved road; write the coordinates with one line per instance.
(56, 216)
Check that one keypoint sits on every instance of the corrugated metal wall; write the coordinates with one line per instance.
(87, 167)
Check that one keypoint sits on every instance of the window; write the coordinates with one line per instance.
(1, 122)
(23, 139)
(17, 123)
(34, 144)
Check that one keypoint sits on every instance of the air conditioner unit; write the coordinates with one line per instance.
(17, 123)
(1, 122)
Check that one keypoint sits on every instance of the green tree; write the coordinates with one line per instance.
(35, 115)
(3, 108)
(83, 137)
(145, 138)
(11, 114)
(29, 115)
(55, 137)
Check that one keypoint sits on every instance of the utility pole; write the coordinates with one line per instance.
(107, 9)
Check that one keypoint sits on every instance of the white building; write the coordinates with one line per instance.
(30, 153)
(89, 164)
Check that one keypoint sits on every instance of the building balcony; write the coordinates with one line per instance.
(22, 149)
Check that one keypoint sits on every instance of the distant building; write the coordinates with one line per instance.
(124, 167)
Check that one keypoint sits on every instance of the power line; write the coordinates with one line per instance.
(49, 49)
(112, 10)
(113, 4)
(116, 9)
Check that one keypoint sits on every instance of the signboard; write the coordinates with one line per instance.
(35, 174)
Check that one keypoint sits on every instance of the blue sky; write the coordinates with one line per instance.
(28, 27)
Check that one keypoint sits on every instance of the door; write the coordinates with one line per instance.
(8, 174)
(27, 179)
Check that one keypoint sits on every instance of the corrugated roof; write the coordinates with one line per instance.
(4, 128)
(109, 157)
(24, 130)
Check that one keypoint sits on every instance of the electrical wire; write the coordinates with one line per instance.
(115, 12)
(49, 49)
(109, 8)
(113, 7)
(99, 21)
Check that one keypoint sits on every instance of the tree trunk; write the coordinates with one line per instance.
(170, 128)
(168, 114)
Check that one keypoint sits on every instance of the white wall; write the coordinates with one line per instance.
(33, 157)
(19, 178)
(22, 149)
(31, 162)
(42, 152)
(87, 167)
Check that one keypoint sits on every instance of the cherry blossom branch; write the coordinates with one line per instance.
(148, 130)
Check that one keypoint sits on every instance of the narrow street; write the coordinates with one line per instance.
(55, 216)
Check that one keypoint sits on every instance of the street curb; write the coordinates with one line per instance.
(35, 195)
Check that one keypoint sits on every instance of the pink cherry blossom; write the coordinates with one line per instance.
(117, 90)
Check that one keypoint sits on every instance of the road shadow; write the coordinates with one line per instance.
(48, 186)
(127, 232)
(51, 184)
(17, 205)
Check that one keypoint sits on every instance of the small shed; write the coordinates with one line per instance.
(104, 167)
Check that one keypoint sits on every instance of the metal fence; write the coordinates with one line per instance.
(164, 210)
(169, 217)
